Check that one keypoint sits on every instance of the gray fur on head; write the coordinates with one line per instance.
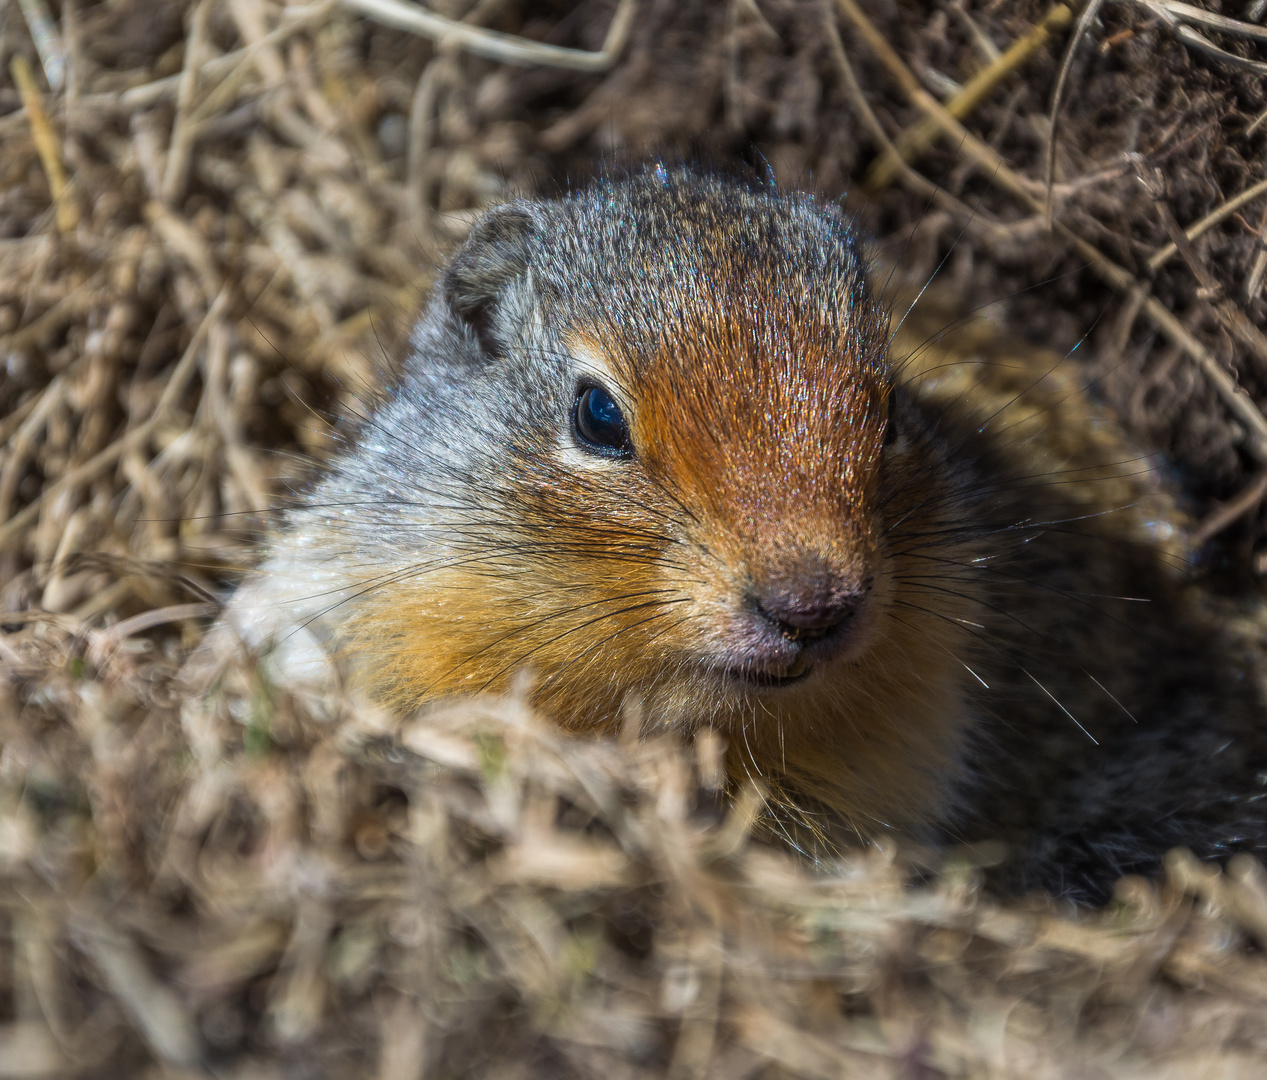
(488, 370)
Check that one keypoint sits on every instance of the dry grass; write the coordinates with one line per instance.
(210, 237)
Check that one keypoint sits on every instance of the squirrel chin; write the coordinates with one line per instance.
(798, 672)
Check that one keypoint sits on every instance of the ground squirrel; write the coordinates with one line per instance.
(660, 441)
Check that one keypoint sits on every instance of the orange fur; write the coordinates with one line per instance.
(760, 439)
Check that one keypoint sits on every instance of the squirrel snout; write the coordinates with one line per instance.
(809, 610)
(815, 609)
(800, 618)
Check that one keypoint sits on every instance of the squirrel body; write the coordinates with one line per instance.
(658, 442)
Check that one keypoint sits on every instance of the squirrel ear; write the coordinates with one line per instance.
(494, 257)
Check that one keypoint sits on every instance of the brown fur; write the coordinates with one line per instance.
(786, 464)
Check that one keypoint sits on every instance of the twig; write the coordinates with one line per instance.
(1257, 271)
(45, 145)
(185, 243)
(920, 135)
(1173, 12)
(248, 16)
(1239, 403)
(1066, 66)
(20, 445)
(758, 19)
(1163, 255)
(107, 641)
(1231, 511)
(161, 1017)
(222, 95)
(438, 71)
(1195, 41)
(47, 42)
(15, 419)
(176, 175)
(73, 47)
(1178, 15)
(988, 50)
(493, 45)
(991, 163)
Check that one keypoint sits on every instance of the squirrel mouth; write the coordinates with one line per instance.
(798, 671)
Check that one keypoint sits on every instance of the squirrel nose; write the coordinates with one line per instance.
(811, 611)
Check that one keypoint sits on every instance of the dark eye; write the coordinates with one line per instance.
(599, 423)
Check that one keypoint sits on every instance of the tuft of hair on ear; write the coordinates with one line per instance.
(495, 255)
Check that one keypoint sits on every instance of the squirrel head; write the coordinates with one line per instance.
(646, 445)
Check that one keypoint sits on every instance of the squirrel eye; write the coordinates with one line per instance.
(599, 423)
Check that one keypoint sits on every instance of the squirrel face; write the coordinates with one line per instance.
(645, 446)
(744, 438)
